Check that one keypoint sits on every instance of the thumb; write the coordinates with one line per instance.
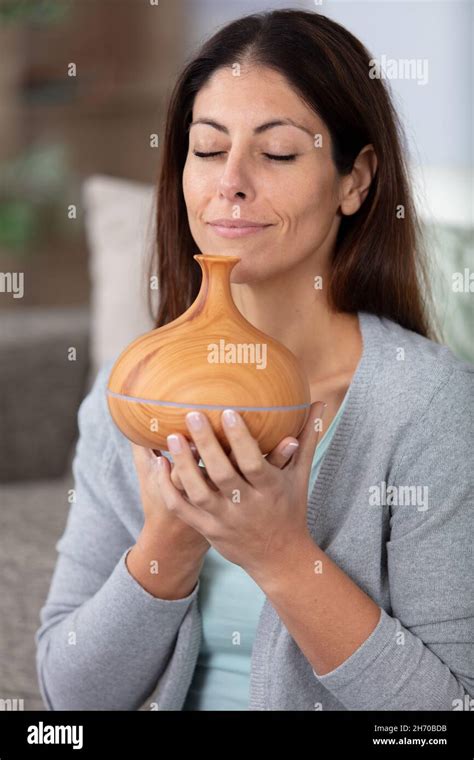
(310, 435)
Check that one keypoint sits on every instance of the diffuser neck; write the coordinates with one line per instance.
(215, 285)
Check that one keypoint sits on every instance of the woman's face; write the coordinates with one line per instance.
(297, 198)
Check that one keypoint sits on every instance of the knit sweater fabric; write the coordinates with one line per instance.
(393, 506)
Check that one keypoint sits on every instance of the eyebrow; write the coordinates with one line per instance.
(257, 130)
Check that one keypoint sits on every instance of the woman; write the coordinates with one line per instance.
(340, 581)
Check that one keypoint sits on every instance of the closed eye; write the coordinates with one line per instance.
(290, 157)
(270, 156)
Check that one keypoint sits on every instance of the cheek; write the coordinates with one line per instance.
(324, 200)
(322, 193)
(186, 184)
(308, 202)
(195, 185)
(313, 189)
(310, 211)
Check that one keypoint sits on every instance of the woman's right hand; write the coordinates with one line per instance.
(157, 516)
(158, 519)
(179, 548)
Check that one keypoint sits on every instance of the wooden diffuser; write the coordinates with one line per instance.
(208, 359)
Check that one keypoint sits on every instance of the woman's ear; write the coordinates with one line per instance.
(355, 185)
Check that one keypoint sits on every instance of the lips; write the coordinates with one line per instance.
(237, 228)
(237, 223)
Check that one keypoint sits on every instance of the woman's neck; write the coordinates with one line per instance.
(290, 309)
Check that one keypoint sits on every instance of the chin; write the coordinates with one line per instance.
(247, 271)
(255, 264)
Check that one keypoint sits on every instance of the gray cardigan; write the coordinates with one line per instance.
(392, 505)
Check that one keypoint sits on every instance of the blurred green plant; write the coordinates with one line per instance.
(40, 172)
(34, 11)
(34, 190)
(18, 224)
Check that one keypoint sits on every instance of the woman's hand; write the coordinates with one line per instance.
(248, 508)
(158, 519)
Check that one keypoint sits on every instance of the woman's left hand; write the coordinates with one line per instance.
(250, 512)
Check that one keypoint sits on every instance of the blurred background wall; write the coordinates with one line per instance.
(83, 86)
(56, 129)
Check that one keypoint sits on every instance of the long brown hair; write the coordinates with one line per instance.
(378, 264)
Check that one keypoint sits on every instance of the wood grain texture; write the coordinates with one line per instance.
(210, 355)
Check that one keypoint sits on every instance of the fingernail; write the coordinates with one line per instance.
(194, 420)
(174, 444)
(230, 417)
(290, 448)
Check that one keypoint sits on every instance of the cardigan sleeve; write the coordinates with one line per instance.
(421, 656)
(104, 642)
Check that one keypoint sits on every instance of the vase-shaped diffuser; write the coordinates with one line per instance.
(208, 359)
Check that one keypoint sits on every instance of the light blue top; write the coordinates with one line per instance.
(230, 603)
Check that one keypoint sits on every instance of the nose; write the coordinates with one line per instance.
(234, 181)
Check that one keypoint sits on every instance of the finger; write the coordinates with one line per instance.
(250, 459)
(176, 502)
(308, 438)
(191, 446)
(147, 457)
(234, 462)
(143, 458)
(190, 474)
(217, 463)
(175, 479)
(155, 454)
(281, 454)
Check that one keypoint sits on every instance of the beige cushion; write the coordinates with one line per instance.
(119, 227)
